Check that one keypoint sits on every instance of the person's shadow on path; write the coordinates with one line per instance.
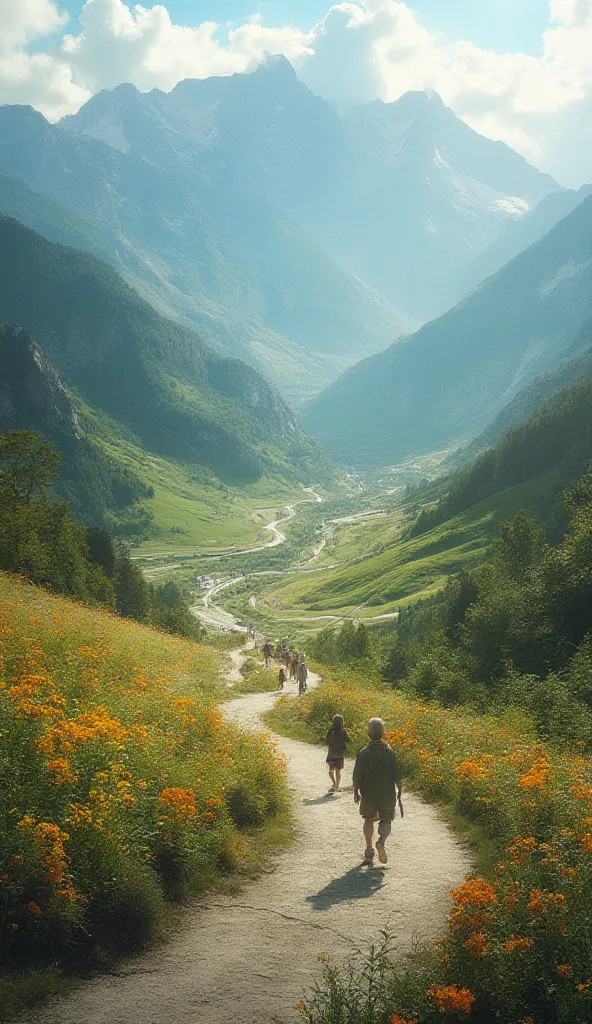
(355, 884)
(328, 796)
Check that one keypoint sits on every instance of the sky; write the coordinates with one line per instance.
(515, 70)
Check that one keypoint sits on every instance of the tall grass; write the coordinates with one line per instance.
(121, 785)
(518, 949)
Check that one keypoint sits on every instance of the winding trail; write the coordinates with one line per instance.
(247, 958)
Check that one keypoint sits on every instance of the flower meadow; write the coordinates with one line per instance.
(121, 785)
(518, 948)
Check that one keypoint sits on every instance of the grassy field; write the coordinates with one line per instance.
(121, 784)
(194, 511)
(386, 572)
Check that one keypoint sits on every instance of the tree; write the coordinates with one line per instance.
(520, 544)
(131, 590)
(28, 464)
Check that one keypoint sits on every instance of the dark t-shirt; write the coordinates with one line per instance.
(337, 742)
(377, 770)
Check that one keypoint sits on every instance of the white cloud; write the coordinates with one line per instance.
(361, 50)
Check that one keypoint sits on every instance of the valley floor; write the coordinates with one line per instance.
(249, 957)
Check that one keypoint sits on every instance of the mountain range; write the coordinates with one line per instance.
(448, 380)
(292, 235)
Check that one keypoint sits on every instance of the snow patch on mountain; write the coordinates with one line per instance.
(511, 204)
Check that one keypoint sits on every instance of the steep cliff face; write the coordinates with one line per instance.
(32, 395)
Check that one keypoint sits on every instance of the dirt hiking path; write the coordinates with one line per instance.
(247, 959)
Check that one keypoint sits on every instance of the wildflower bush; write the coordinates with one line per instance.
(518, 949)
(120, 782)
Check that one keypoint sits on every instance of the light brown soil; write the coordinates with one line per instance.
(244, 959)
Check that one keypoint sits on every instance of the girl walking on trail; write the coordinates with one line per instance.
(337, 740)
(282, 678)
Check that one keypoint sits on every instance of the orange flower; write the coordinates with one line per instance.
(565, 971)
(474, 770)
(537, 776)
(477, 944)
(396, 1019)
(33, 909)
(540, 901)
(517, 942)
(453, 999)
(61, 771)
(521, 848)
(178, 804)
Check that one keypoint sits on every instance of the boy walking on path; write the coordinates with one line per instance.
(377, 785)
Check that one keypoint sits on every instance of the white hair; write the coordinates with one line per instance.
(376, 728)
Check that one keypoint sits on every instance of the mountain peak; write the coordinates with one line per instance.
(277, 65)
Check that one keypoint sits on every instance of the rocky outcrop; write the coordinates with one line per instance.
(32, 395)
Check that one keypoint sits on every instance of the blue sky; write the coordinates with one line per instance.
(501, 25)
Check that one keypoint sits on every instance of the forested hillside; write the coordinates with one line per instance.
(154, 376)
(450, 379)
(555, 442)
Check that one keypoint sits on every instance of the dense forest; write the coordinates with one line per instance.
(41, 542)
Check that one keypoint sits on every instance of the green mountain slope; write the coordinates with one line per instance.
(532, 397)
(450, 379)
(101, 490)
(555, 442)
(152, 375)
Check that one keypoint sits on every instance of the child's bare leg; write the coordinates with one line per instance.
(337, 777)
(368, 832)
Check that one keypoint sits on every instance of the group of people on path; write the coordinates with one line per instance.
(377, 782)
(293, 665)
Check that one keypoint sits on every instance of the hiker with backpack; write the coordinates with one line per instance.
(337, 740)
(377, 787)
(302, 676)
(281, 678)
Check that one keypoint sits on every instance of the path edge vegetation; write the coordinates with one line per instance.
(517, 946)
(55, 688)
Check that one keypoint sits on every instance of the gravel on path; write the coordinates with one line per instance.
(247, 958)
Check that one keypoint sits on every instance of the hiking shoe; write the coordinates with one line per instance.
(368, 858)
(381, 852)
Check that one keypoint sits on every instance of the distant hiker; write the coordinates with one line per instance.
(302, 676)
(293, 665)
(337, 740)
(377, 779)
(282, 678)
(267, 653)
(287, 658)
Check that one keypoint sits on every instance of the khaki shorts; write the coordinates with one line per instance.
(378, 809)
